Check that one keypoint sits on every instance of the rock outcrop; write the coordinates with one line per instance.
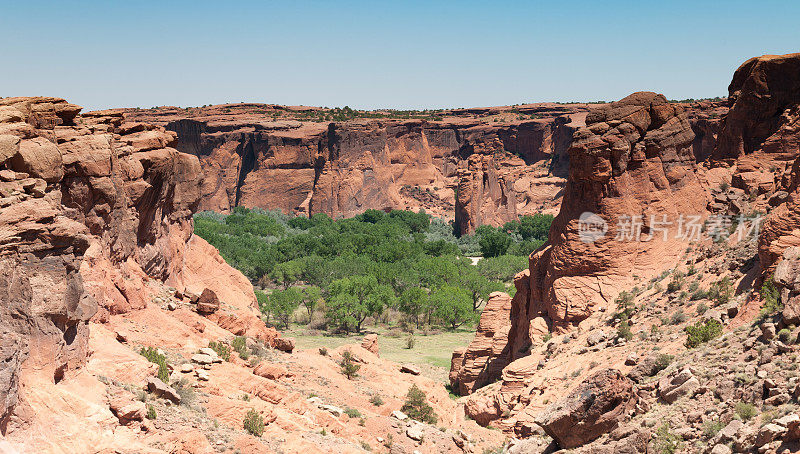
(763, 93)
(633, 167)
(92, 208)
(595, 408)
(486, 356)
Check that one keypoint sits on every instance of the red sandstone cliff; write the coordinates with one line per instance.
(92, 209)
(477, 165)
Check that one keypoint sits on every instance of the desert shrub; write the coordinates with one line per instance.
(677, 317)
(352, 412)
(151, 412)
(410, 341)
(702, 331)
(663, 361)
(416, 406)
(702, 308)
(376, 400)
(698, 294)
(239, 345)
(625, 306)
(254, 423)
(784, 335)
(746, 411)
(185, 391)
(711, 428)
(721, 291)
(152, 355)
(348, 365)
(666, 442)
(771, 297)
(222, 350)
(624, 330)
(323, 351)
(676, 283)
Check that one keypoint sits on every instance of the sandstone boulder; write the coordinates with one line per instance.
(208, 303)
(284, 344)
(271, 370)
(370, 343)
(594, 408)
(40, 158)
(162, 390)
(679, 384)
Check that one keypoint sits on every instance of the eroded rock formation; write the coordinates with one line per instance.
(91, 208)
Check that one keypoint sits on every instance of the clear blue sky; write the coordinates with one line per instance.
(368, 54)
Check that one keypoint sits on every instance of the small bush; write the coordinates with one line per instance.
(676, 283)
(771, 296)
(745, 411)
(417, 407)
(702, 308)
(721, 291)
(784, 335)
(151, 412)
(711, 428)
(698, 294)
(663, 361)
(352, 412)
(254, 423)
(702, 331)
(666, 442)
(677, 318)
(154, 357)
(185, 390)
(410, 342)
(624, 330)
(239, 345)
(323, 351)
(222, 350)
(376, 400)
(625, 306)
(348, 365)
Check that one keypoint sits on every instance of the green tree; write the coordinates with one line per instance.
(413, 303)
(494, 243)
(502, 268)
(353, 299)
(477, 285)
(416, 406)
(452, 305)
(309, 296)
(283, 303)
(287, 273)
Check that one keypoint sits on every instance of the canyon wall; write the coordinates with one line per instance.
(479, 166)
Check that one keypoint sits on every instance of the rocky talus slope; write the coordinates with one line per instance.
(592, 351)
(98, 262)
